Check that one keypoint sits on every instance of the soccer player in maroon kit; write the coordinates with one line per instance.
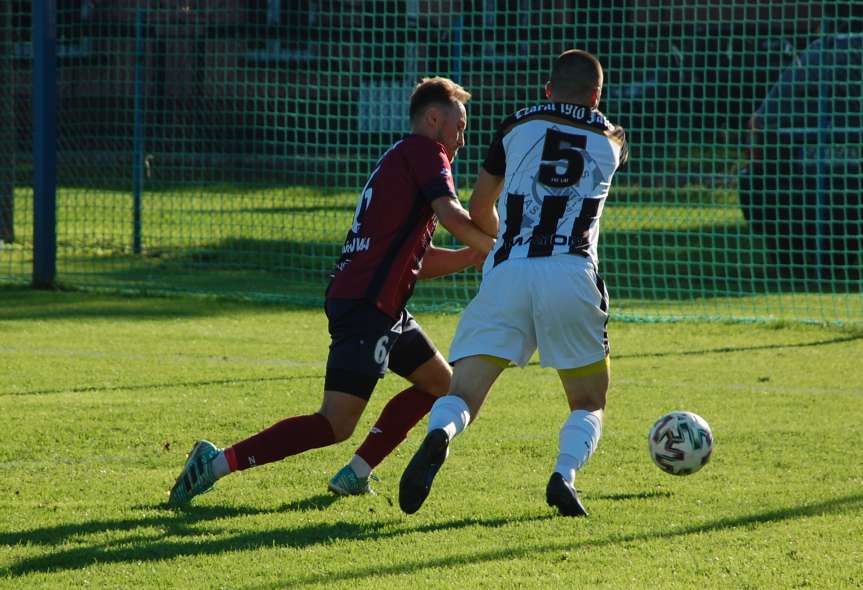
(387, 248)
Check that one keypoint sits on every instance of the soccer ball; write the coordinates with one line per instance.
(680, 443)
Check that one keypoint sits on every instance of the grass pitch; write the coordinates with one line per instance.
(101, 397)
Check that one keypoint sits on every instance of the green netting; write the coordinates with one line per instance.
(236, 134)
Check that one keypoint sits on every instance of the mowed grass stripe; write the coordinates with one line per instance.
(95, 445)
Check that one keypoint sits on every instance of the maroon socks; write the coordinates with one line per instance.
(400, 415)
(283, 439)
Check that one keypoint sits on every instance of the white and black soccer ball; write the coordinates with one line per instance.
(680, 443)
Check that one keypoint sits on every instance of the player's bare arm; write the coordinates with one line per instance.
(482, 211)
(457, 221)
(439, 262)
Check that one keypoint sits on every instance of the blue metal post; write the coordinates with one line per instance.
(138, 133)
(7, 128)
(44, 143)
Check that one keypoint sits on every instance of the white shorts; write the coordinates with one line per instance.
(557, 303)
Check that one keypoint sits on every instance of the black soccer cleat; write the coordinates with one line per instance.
(562, 495)
(417, 479)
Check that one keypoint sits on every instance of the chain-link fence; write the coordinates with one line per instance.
(219, 146)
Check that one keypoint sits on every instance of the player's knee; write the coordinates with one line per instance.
(434, 380)
(341, 423)
(437, 386)
(587, 396)
(342, 435)
(342, 431)
(588, 400)
(595, 401)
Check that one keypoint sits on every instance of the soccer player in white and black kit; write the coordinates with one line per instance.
(551, 166)
(387, 248)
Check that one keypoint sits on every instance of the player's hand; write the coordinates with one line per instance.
(477, 259)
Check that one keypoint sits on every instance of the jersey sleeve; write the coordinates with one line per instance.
(433, 174)
(620, 135)
(495, 157)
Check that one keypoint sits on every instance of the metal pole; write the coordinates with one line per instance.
(44, 143)
(138, 133)
(7, 127)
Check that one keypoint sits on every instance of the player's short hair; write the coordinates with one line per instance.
(436, 91)
(576, 73)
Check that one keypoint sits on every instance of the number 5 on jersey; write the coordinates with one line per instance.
(562, 146)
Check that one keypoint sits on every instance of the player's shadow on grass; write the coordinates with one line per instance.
(160, 537)
(175, 534)
(508, 553)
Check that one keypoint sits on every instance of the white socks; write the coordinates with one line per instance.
(450, 413)
(220, 466)
(579, 435)
(361, 468)
(578, 439)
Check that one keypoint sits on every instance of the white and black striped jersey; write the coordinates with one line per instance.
(558, 160)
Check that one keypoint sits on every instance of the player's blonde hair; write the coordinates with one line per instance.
(438, 91)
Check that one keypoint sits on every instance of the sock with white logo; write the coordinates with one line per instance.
(450, 413)
(578, 439)
(398, 417)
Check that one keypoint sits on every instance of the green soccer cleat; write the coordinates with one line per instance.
(197, 474)
(347, 483)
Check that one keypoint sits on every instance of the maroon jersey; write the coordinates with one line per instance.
(393, 225)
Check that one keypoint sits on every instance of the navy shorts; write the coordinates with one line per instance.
(365, 342)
